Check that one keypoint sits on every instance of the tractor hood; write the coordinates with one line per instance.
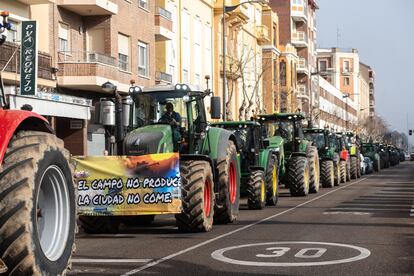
(149, 140)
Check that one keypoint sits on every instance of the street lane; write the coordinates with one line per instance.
(372, 215)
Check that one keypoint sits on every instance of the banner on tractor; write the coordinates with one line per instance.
(128, 185)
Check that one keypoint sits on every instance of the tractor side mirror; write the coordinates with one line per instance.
(215, 107)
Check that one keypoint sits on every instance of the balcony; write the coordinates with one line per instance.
(10, 55)
(299, 39)
(89, 70)
(89, 7)
(232, 67)
(163, 24)
(302, 67)
(299, 12)
(262, 34)
(302, 91)
(163, 78)
(35, 2)
(371, 80)
(326, 71)
(241, 12)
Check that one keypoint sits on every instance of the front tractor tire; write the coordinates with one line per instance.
(197, 197)
(327, 174)
(256, 191)
(298, 176)
(37, 205)
(314, 170)
(343, 169)
(227, 207)
(272, 181)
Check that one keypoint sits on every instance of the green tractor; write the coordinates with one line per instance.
(208, 158)
(300, 172)
(372, 150)
(260, 159)
(351, 145)
(325, 142)
(385, 156)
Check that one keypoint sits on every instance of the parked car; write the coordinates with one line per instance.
(363, 166)
(412, 156)
(369, 165)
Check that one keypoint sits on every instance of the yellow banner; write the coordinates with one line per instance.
(128, 185)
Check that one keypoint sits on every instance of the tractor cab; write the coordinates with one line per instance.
(249, 137)
(169, 118)
(286, 125)
(323, 139)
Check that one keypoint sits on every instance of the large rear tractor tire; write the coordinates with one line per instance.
(342, 166)
(227, 207)
(359, 168)
(256, 191)
(327, 174)
(348, 170)
(99, 224)
(298, 176)
(314, 170)
(377, 165)
(37, 205)
(272, 181)
(354, 169)
(337, 171)
(197, 197)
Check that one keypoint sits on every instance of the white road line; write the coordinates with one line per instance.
(181, 252)
(87, 261)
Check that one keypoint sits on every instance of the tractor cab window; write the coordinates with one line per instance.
(284, 130)
(317, 138)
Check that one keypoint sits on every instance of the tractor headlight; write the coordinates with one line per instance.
(186, 98)
(184, 87)
(178, 87)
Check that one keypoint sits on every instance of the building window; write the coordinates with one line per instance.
(323, 64)
(346, 81)
(13, 33)
(346, 66)
(123, 52)
(143, 4)
(143, 57)
(283, 73)
(63, 37)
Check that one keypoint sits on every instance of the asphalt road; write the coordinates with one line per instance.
(363, 227)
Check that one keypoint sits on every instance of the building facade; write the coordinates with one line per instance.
(244, 72)
(298, 27)
(288, 79)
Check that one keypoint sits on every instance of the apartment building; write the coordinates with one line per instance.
(298, 27)
(271, 62)
(244, 72)
(186, 57)
(67, 114)
(336, 111)
(288, 79)
(367, 91)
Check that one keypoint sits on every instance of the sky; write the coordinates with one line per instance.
(382, 32)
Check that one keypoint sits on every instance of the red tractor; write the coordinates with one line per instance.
(37, 194)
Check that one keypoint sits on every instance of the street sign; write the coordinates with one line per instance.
(28, 58)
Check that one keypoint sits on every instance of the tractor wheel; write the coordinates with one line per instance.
(314, 170)
(359, 169)
(256, 191)
(342, 165)
(138, 220)
(197, 197)
(377, 165)
(227, 207)
(272, 181)
(348, 170)
(327, 174)
(37, 205)
(337, 171)
(298, 176)
(354, 169)
(99, 224)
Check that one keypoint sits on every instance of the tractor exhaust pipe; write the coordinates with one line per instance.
(119, 123)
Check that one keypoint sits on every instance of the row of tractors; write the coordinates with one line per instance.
(219, 163)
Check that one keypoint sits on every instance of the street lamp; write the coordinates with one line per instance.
(227, 9)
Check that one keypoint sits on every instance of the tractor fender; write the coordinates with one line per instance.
(216, 143)
(14, 120)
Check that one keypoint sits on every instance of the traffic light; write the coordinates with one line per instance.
(410, 132)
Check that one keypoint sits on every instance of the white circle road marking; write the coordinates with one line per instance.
(191, 248)
(219, 254)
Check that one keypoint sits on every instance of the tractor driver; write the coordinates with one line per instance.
(174, 119)
(282, 132)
